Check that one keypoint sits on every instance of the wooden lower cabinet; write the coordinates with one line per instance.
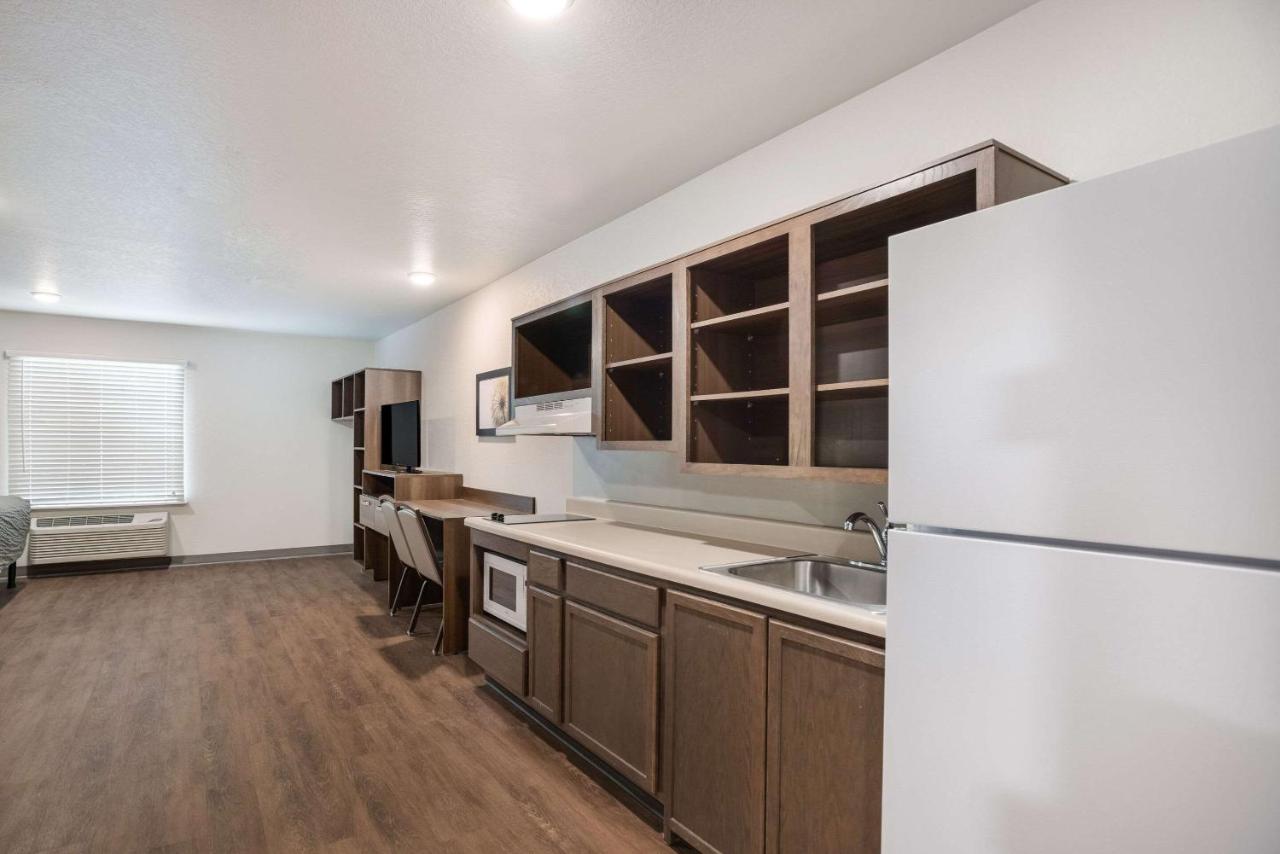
(611, 691)
(771, 734)
(715, 682)
(544, 631)
(825, 743)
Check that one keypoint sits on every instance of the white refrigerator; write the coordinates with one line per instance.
(1083, 649)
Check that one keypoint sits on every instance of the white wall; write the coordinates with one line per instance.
(258, 432)
(1086, 86)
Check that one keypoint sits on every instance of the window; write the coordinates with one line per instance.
(96, 433)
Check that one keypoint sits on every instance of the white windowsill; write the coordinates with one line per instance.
(43, 508)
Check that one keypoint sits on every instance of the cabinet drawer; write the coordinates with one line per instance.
(500, 657)
(545, 570)
(371, 514)
(622, 596)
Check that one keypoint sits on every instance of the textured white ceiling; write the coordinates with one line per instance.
(281, 166)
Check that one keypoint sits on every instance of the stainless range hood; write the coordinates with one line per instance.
(561, 417)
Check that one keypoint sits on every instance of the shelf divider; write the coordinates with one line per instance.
(741, 395)
(841, 294)
(639, 362)
(853, 388)
(728, 321)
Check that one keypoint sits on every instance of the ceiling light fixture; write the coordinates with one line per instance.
(541, 10)
(422, 278)
(46, 294)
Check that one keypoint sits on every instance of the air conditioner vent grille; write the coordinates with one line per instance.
(77, 521)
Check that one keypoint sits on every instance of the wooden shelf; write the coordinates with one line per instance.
(855, 302)
(657, 360)
(854, 388)
(742, 319)
(852, 291)
(741, 395)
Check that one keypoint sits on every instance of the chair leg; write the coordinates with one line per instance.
(395, 600)
(435, 647)
(417, 609)
(13, 575)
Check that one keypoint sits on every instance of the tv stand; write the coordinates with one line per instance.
(405, 486)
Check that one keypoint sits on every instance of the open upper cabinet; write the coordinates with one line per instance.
(554, 357)
(636, 382)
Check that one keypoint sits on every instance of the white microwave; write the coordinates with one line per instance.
(504, 596)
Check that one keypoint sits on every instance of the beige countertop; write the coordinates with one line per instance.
(676, 556)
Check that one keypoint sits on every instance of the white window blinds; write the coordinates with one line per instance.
(96, 433)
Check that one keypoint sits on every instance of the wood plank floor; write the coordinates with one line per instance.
(268, 706)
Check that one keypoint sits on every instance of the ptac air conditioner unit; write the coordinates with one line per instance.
(70, 539)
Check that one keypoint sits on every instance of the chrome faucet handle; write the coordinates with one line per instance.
(884, 510)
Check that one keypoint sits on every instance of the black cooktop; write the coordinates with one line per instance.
(537, 517)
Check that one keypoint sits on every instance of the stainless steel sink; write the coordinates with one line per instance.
(832, 578)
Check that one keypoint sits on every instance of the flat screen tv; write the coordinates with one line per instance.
(401, 435)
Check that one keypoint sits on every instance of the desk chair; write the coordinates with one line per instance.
(424, 561)
(390, 521)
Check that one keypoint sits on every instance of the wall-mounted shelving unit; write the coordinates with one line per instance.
(358, 398)
(768, 353)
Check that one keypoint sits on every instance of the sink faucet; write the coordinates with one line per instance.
(877, 533)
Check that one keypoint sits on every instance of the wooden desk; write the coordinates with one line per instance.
(445, 520)
(373, 549)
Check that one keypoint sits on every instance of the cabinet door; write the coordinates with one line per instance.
(826, 739)
(611, 691)
(546, 651)
(715, 717)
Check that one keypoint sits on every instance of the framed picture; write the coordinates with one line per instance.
(493, 401)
